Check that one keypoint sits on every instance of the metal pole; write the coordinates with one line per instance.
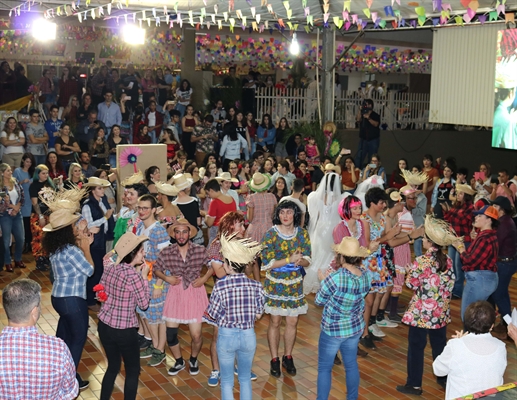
(328, 54)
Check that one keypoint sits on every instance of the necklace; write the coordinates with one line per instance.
(359, 229)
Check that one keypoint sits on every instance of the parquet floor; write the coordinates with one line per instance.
(380, 372)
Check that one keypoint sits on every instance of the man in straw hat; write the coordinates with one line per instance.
(98, 214)
(180, 266)
(342, 295)
(32, 365)
(431, 277)
(236, 302)
(221, 204)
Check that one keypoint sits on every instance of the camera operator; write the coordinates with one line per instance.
(369, 133)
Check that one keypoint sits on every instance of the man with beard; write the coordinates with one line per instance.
(180, 265)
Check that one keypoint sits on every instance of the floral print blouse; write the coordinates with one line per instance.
(429, 307)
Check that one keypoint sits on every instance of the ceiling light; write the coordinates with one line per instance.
(133, 35)
(43, 30)
(294, 49)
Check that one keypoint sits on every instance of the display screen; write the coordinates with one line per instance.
(504, 131)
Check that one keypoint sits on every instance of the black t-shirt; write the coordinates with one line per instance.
(133, 92)
(317, 175)
(366, 130)
(34, 189)
(71, 141)
(190, 211)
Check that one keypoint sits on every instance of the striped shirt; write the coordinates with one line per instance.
(342, 295)
(126, 289)
(235, 302)
(35, 366)
(71, 270)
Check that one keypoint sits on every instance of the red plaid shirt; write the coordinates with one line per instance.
(482, 253)
(461, 220)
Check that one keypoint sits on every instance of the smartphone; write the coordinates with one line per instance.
(3, 194)
(346, 151)
(128, 97)
(372, 165)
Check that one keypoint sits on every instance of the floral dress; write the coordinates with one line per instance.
(284, 286)
(429, 307)
(376, 262)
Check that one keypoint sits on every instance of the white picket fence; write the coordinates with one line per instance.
(397, 110)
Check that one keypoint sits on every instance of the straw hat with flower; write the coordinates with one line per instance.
(59, 219)
(439, 231)
(350, 247)
(407, 190)
(414, 178)
(226, 176)
(137, 177)
(239, 251)
(465, 189)
(126, 244)
(69, 199)
(259, 182)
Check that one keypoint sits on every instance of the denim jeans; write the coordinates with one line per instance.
(40, 159)
(501, 297)
(457, 290)
(417, 247)
(238, 343)
(366, 147)
(113, 160)
(328, 347)
(12, 225)
(479, 286)
(97, 256)
(120, 344)
(417, 341)
(72, 326)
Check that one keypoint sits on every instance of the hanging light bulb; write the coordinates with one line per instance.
(294, 49)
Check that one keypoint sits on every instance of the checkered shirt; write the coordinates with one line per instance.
(482, 253)
(35, 366)
(461, 220)
(342, 296)
(71, 270)
(235, 302)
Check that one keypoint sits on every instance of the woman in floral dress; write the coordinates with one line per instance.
(431, 277)
(261, 205)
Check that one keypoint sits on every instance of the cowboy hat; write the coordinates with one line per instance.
(465, 189)
(126, 244)
(137, 177)
(95, 182)
(239, 251)
(439, 231)
(334, 168)
(225, 176)
(416, 178)
(350, 247)
(166, 189)
(259, 182)
(179, 223)
(182, 182)
(59, 219)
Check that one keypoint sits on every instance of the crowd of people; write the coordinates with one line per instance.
(270, 219)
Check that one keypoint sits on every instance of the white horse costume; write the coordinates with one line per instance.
(322, 206)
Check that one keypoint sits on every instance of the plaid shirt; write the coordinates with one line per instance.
(482, 254)
(342, 295)
(71, 270)
(35, 366)
(235, 302)
(461, 220)
(126, 289)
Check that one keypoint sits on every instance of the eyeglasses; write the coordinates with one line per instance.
(410, 198)
(143, 208)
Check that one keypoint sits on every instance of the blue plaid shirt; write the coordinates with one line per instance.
(235, 302)
(342, 294)
(71, 270)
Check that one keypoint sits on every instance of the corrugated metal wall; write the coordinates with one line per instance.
(463, 73)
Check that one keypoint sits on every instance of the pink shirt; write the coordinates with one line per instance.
(501, 192)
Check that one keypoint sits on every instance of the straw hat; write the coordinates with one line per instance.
(94, 182)
(126, 244)
(182, 222)
(64, 199)
(166, 189)
(182, 182)
(407, 190)
(333, 168)
(239, 251)
(439, 231)
(465, 189)
(137, 177)
(350, 247)
(59, 219)
(414, 178)
(189, 176)
(202, 172)
(225, 176)
(259, 182)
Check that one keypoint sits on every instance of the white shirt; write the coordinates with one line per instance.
(151, 119)
(13, 149)
(13, 196)
(471, 363)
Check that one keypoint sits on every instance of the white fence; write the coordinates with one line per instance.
(397, 110)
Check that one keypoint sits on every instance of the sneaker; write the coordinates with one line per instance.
(147, 353)
(376, 331)
(236, 372)
(156, 358)
(177, 368)
(275, 367)
(288, 364)
(406, 389)
(41, 264)
(194, 367)
(385, 323)
(367, 342)
(213, 379)
(144, 343)
(253, 376)
(396, 319)
(83, 385)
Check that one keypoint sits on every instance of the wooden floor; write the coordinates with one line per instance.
(380, 372)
